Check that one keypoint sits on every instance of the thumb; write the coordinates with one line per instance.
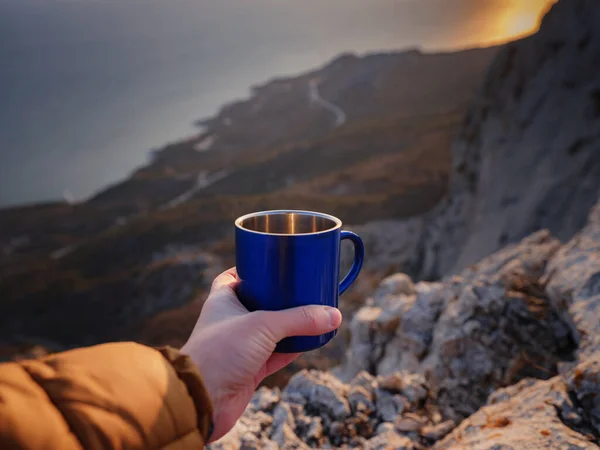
(311, 320)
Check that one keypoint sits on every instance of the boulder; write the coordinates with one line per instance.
(550, 414)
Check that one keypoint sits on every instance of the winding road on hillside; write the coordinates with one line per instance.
(315, 97)
(203, 180)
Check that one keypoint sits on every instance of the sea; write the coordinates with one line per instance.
(88, 88)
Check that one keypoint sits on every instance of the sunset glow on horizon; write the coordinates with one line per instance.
(525, 17)
(502, 21)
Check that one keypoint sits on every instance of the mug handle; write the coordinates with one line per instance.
(359, 256)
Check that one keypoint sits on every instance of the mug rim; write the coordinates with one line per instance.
(337, 226)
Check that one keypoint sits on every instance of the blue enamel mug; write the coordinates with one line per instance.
(286, 259)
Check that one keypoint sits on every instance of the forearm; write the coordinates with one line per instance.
(120, 395)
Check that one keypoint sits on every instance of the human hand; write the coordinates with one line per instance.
(233, 348)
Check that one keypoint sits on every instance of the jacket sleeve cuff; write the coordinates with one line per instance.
(188, 373)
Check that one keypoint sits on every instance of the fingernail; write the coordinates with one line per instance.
(335, 317)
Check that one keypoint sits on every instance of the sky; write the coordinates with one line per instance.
(498, 20)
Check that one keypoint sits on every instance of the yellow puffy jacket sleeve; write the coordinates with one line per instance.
(119, 395)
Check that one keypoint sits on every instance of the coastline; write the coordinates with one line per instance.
(96, 259)
(201, 127)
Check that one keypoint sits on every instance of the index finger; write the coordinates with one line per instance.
(228, 279)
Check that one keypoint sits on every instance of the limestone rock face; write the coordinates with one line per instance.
(488, 327)
(573, 282)
(528, 156)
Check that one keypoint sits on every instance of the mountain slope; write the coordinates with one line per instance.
(102, 269)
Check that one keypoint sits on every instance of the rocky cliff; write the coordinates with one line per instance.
(528, 155)
(504, 355)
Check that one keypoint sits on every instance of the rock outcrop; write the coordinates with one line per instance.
(318, 410)
(505, 355)
(572, 282)
(398, 412)
(528, 156)
(488, 327)
(535, 415)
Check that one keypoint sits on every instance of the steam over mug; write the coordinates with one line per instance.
(286, 259)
